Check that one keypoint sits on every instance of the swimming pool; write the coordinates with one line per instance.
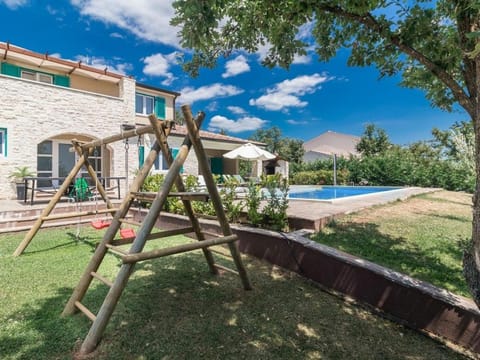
(336, 192)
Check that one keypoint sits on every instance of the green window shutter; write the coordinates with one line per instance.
(160, 107)
(61, 80)
(141, 156)
(174, 154)
(10, 69)
(216, 165)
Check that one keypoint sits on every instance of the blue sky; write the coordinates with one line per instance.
(134, 37)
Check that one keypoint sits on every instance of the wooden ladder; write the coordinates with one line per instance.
(144, 233)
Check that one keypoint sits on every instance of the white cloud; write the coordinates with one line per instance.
(287, 93)
(297, 122)
(13, 4)
(302, 59)
(236, 110)
(190, 95)
(247, 123)
(101, 63)
(236, 66)
(147, 19)
(117, 35)
(212, 106)
(159, 65)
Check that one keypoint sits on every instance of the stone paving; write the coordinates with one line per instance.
(302, 214)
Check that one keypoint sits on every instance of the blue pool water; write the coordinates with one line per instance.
(336, 192)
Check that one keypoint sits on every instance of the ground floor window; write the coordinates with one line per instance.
(3, 142)
(162, 164)
(55, 160)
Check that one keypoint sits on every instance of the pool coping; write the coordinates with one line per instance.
(348, 198)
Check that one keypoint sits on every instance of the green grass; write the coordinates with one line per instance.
(419, 237)
(173, 308)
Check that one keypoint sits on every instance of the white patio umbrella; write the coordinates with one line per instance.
(249, 151)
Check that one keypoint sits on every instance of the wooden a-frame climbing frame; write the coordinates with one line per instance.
(83, 150)
(144, 233)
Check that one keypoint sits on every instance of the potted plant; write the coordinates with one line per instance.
(17, 176)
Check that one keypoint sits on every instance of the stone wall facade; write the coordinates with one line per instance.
(32, 112)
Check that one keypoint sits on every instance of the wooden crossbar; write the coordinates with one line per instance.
(77, 214)
(186, 195)
(155, 235)
(84, 310)
(227, 269)
(133, 258)
(116, 250)
(141, 130)
(102, 279)
(130, 222)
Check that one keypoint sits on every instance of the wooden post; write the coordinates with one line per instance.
(98, 327)
(50, 206)
(194, 135)
(160, 134)
(101, 250)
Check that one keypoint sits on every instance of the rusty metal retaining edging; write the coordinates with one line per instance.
(412, 302)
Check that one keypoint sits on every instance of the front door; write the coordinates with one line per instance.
(66, 160)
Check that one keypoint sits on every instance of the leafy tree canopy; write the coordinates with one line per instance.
(289, 149)
(440, 38)
(373, 141)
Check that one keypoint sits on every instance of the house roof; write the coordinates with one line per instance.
(181, 130)
(9, 51)
(331, 142)
(16, 53)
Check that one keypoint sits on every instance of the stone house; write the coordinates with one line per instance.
(45, 102)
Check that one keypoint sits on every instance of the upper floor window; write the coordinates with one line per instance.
(3, 142)
(148, 104)
(37, 76)
(144, 104)
(24, 73)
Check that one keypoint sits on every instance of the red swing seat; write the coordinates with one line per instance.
(127, 233)
(100, 224)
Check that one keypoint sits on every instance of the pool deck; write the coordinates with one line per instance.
(302, 214)
(311, 214)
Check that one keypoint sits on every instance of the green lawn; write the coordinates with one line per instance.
(174, 309)
(419, 237)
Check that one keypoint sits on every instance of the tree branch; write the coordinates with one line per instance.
(369, 21)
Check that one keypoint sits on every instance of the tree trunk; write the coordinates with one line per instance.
(471, 255)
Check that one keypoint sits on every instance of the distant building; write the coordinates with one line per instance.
(329, 143)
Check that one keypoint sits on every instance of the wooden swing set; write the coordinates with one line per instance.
(161, 130)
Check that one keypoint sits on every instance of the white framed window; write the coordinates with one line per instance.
(36, 76)
(160, 163)
(144, 104)
(3, 142)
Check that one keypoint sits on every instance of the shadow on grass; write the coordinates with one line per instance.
(74, 240)
(440, 266)
(173, 308)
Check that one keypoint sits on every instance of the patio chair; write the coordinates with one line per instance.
(240, 179)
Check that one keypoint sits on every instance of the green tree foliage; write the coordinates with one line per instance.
(272, 137)
(434, 45)
(374, 140)
(287, 148)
